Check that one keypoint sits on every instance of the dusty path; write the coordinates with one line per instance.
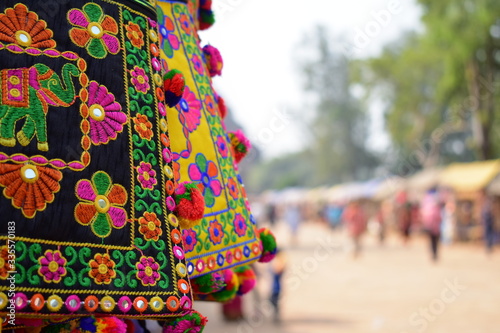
(390, 289)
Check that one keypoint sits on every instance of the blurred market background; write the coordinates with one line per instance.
(368, 138)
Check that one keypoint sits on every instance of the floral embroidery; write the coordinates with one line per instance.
(176, 168)
(190, 240)
(165, 140)
(147, 271)
(52, 266)
(153, 48)
(5, 266)
(143, 126)
(139, 79)
(22, 27)
(101, 205)
(215, 232)
(106, 118)
(198, 64)
(168, 39)
(222, 146)
(102, 268)
(210, 105)
(189, 110)
(30, 187)
(146, 175)
(233, 188)
(240, 227)
(167, 155)
(134, 34)
(150, 226)
(206, 172)
(95, 30)
(185, 23)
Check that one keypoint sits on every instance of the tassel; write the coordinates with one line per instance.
(214, 60)
(269, 246)
(208, 283)
(206, 16)
(190, 204)
(222, 107)
(173, 84)
(246, 278)
(110, 325)
(240, 144)
(230, 289)
(192, 322)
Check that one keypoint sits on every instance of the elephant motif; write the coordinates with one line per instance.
(26, 93)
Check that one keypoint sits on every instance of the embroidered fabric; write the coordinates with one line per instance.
(87, 221)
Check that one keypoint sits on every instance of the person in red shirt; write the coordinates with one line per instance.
(355, 221)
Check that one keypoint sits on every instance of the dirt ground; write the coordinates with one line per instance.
(389, 288)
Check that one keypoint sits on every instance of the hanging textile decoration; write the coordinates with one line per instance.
(86, 174)
(202, 151)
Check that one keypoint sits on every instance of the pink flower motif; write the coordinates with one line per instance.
(106, 119)
(190, 240)
(222, 146)
(146, 175)
(139, 79)
(198, 64)
(240, 227)
(189, 110)
(147, 271)
(168, 39)
(52, 266)
(206, 172)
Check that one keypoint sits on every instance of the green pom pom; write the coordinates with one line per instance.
(269, 246)
(207, 283)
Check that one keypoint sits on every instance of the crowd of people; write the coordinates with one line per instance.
(437, 214)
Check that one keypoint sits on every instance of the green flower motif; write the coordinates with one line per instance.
(95, 31)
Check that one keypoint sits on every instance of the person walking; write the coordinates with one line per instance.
(430, 211)
(278, 266)
(488, 221)
(355, 221)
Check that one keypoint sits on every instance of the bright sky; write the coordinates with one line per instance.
(257, 40)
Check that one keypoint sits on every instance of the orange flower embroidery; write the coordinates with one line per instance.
(177, 174)
(29, 186)
(22, 27)
(135, 35)
(5, 262)
(143, 126)
(102, 269)
(150, 226)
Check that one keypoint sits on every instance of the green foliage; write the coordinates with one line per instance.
(286, 171)
(339, 125)
(440, 87)
(336, 129)
(467, 35)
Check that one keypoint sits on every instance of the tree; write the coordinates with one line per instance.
(467, 36)
(403, 79)
(338, 129)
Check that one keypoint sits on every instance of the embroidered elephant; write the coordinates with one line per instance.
(26, 93)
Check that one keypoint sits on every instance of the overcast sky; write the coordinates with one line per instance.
(257, 40)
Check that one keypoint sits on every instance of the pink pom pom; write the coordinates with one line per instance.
(214, 60)
(240, 144)
(247, 279)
